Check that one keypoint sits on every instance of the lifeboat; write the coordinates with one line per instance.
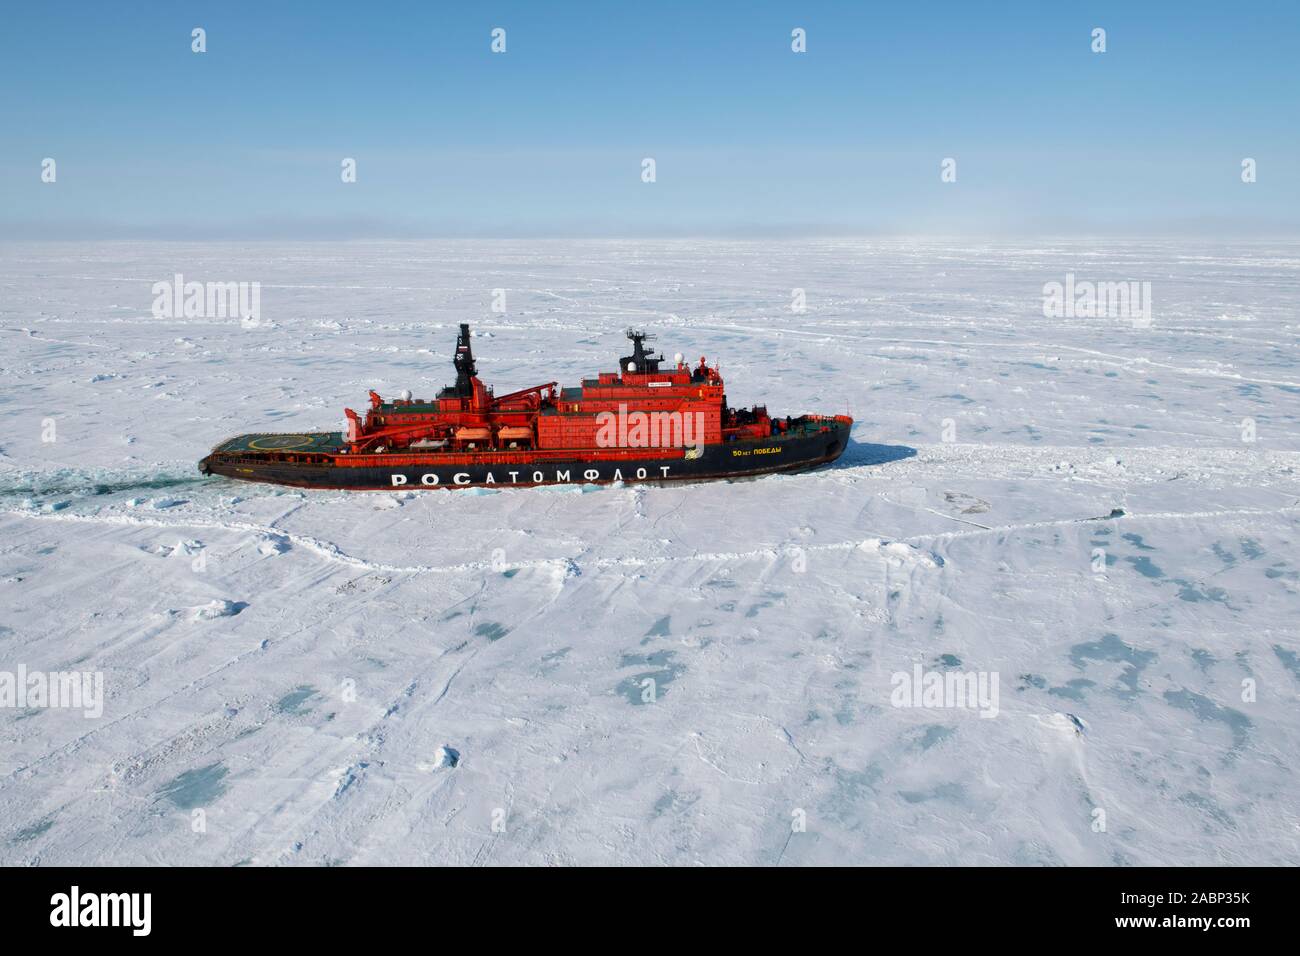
(514, 434)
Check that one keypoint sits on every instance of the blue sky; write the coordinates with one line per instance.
(749, 138)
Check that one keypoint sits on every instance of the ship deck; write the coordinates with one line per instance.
(326, 442)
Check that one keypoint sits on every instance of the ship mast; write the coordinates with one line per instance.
(642, 359)
(465, 369)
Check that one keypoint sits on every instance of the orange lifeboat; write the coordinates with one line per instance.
(473, 434)
(515, 433)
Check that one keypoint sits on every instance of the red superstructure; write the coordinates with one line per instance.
(467, 417)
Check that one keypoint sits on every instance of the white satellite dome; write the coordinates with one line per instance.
(405, 395)
(678, 358)
(631, 366)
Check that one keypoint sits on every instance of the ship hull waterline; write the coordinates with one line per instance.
(726, 461)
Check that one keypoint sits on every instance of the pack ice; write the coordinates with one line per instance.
(1092, 520)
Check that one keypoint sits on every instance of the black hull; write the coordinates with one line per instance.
(730, 460)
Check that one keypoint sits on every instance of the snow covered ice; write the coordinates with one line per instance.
(638, 674)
